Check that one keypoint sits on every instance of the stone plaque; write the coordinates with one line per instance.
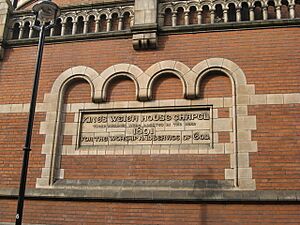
(162, 126)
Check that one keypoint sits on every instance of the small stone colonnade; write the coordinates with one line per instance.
(202, 12)
(171, 14)
(77, 22)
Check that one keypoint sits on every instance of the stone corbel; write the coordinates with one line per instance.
(144, 37)
(145, 25)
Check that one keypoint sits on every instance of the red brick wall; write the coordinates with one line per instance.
(121, 89)
(167, 86)
(12, 137)
(160, 167)
(45, 212)
(272, 67)
(276, 164)
(271, 64)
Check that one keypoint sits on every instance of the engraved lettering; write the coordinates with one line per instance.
(140, 127)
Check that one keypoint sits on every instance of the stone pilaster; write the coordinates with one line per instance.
(145, 24)
(5, 8)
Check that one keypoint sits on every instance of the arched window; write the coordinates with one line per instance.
(271, 10)
(91, 24)
(80, 25)
(193, 19)
(180, 16)
(103, 23)
(16, 31)
(57, 28)
(258, 15)
(245, 12)
(114, 22)
(205, 15)
(297, 8)
(126, 21)
(219, 17)
(69, 26)
(26, 30)
(168, 17)
(284, 9)
(231, 12)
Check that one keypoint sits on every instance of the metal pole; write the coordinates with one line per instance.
(15, 4)
(27, 146)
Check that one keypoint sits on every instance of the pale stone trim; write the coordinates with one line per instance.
(102, 81)
(174, 67)
(239, 124)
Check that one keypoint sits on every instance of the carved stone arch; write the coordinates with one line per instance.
(206, 3)
(101, 82)
(29, 19)
(195, 4)
(12, 23)
(84, 15)
(218, 3)
(252, 4)
(65, 17)
(118, 74)
(104, 12)
(167, 6)
(181, 5)
(126, 9)
(236, 4)
(241, 2)
(237, 75)
(55, 104)
(177, 68)
(240, 95)
(115, 10)
(91, 13)
(85, 72)
(19, 21)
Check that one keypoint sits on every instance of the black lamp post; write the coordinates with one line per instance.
(45, 11)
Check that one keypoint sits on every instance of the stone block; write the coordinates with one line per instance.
(243, 160)
(258, 99)
(247, 146)
(227, 102)
(248, 184)
(216, 102)
(291, 98)
(274, 99)
(222, 124)
(242, 110)
(242, 100)
(229, 174)
(245, 173)
(246, 122)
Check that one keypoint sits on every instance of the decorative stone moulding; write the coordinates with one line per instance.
(72, 22)
(239, 124)
(144, 41)
(193, 12)
(145, 25)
